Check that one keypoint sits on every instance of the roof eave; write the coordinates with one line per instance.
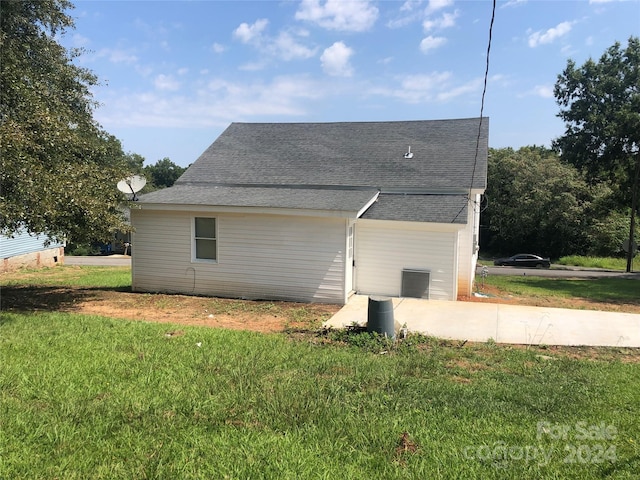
(300, 212)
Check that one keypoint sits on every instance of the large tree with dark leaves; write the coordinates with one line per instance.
(535, 203)
(58, 167)
(600, 105)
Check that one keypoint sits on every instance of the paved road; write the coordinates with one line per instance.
(558, 271)
(99, 260)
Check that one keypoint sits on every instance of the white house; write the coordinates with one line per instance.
(314, 212)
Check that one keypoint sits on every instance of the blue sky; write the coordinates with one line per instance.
(175, 74)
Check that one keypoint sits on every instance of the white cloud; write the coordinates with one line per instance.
(435, 87)
(435, 5)
(218, 48)
(352, 15)
(253, 66)
(470, 87)
(410, 5)
(513, 3)
(250, 33)
(80, 41)
(117, 56)
(447, 20)
(335, 60)
(286, 48)
(431, 43)
(418, 88)
(166, 83)
(600, 1)
(542, 91)
(215, 103)
(541, 38)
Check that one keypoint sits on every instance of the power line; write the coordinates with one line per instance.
(484, 91)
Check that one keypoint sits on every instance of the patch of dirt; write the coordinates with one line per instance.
(259, 316)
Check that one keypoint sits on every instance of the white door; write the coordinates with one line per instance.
(349, 263)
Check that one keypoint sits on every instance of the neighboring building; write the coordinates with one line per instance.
(28, 250)
(314, 212)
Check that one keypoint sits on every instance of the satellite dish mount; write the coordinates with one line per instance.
(132, 185)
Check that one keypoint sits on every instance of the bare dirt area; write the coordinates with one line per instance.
(259, 316)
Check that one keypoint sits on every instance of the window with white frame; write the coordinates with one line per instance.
(205, 245)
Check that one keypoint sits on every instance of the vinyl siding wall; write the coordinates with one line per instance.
(468, 254)
(24, 242)
(384, 249)
(259, 256)
(26, 250)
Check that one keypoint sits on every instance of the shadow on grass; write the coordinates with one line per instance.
(49, 298)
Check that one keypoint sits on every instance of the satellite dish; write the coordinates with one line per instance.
(132, 185)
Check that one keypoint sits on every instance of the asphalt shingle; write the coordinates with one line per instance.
(341, 167)
(369, 154)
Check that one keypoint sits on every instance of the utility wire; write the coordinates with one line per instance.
(484, 91)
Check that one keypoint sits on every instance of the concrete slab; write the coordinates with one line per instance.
(480, 322)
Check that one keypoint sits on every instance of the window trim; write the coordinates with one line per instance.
(194, 258)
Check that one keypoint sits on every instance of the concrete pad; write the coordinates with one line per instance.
(480, 322)
(558, 326)
(445, 319)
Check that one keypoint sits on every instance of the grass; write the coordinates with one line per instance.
(608, 263)
(89, 397)
(71, 276)
(615, 290)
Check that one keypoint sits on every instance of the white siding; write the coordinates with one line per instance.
(467, 251)
(259, 256)
(384, 249)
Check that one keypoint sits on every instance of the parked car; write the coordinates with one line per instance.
(523, 260)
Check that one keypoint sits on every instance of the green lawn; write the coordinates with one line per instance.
(608, 263)
(88, 397)
(616, 290)
(84, 397)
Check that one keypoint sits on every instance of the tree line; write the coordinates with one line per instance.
(581, 195)
(59, 167)
(536, 202)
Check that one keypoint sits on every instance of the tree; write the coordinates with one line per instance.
(600, 105)
(536, 203)
(163, 174)
(58, 167)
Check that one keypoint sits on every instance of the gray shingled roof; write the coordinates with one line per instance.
(341, 166)
(419, 208)
(299, 198)
(369, 154)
